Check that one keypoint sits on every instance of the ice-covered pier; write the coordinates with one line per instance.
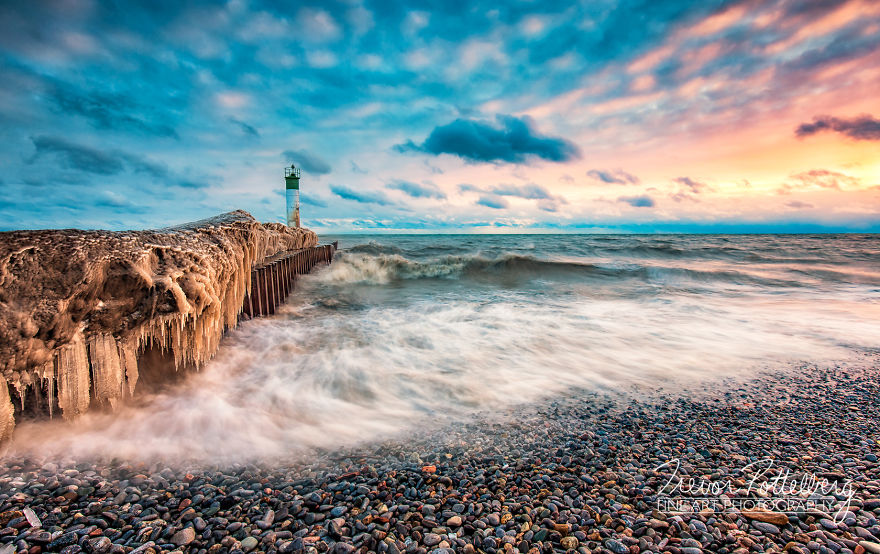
(87, 315)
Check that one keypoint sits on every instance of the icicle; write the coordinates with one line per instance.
(49, 376)
(107, 373)
(128, 355)
(7, 412)
(73, 378)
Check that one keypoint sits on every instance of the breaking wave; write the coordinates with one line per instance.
(355, 266)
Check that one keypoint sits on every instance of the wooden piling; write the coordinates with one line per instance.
(273, 282)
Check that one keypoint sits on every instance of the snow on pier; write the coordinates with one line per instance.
(85, 314)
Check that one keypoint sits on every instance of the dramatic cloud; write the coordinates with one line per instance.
(510, 140)
(129, 107)
(613, 177)
(364, 197)
(863, 127)
(418, 191)
(495, 202)
(308, 162)
(642, 201)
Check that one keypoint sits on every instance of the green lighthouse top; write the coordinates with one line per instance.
(291, 177)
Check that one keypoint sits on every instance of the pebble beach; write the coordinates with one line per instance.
(574, 473)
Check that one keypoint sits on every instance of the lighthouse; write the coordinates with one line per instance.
(291, 181)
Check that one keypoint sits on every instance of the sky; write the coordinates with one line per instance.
(529, 116)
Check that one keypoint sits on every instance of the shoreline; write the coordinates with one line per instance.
(577, 472)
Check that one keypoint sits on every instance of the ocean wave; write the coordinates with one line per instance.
(355, 266)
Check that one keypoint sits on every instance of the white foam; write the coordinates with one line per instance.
(319, 377)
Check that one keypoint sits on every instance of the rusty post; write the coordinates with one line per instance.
(280, 282)
(264, 283)
(257, 290)
(273, 294)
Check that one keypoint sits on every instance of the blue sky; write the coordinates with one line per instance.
(474, 116)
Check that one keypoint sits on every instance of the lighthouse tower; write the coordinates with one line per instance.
(291, 180)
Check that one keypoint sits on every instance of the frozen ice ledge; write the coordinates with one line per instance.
(83, 313)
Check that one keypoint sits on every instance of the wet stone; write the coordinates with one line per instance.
(184, 536)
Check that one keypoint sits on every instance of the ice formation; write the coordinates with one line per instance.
(78, 309)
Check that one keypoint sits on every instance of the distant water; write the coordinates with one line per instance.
(404, 332)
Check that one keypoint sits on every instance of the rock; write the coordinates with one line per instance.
(42, 537)
(335, 527)
(765, 527)
(569, 543)
(31, 517)
(184, 536)
(249, 543)
(64, 540)
(562, 528)
(454, 521)
(431, 539)
(99, 545)
(616, 546)
(776, 518)
(870, 547)
(199, 524)
(143, 548)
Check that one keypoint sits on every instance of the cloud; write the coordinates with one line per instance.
(107, 110)
(308, 162)
(642, 201)
(613, 177)
(313, 201)
(494, 202)
(245, 128)
(76, 156)
(530, 191)
(105, 162)
(492, 196)
(695, 187)
(511, 140)
(863, 127)
(416, 190)
(364, 197)
(797, 204)
(818, 179)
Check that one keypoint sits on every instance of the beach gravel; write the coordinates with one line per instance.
(580, 473)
